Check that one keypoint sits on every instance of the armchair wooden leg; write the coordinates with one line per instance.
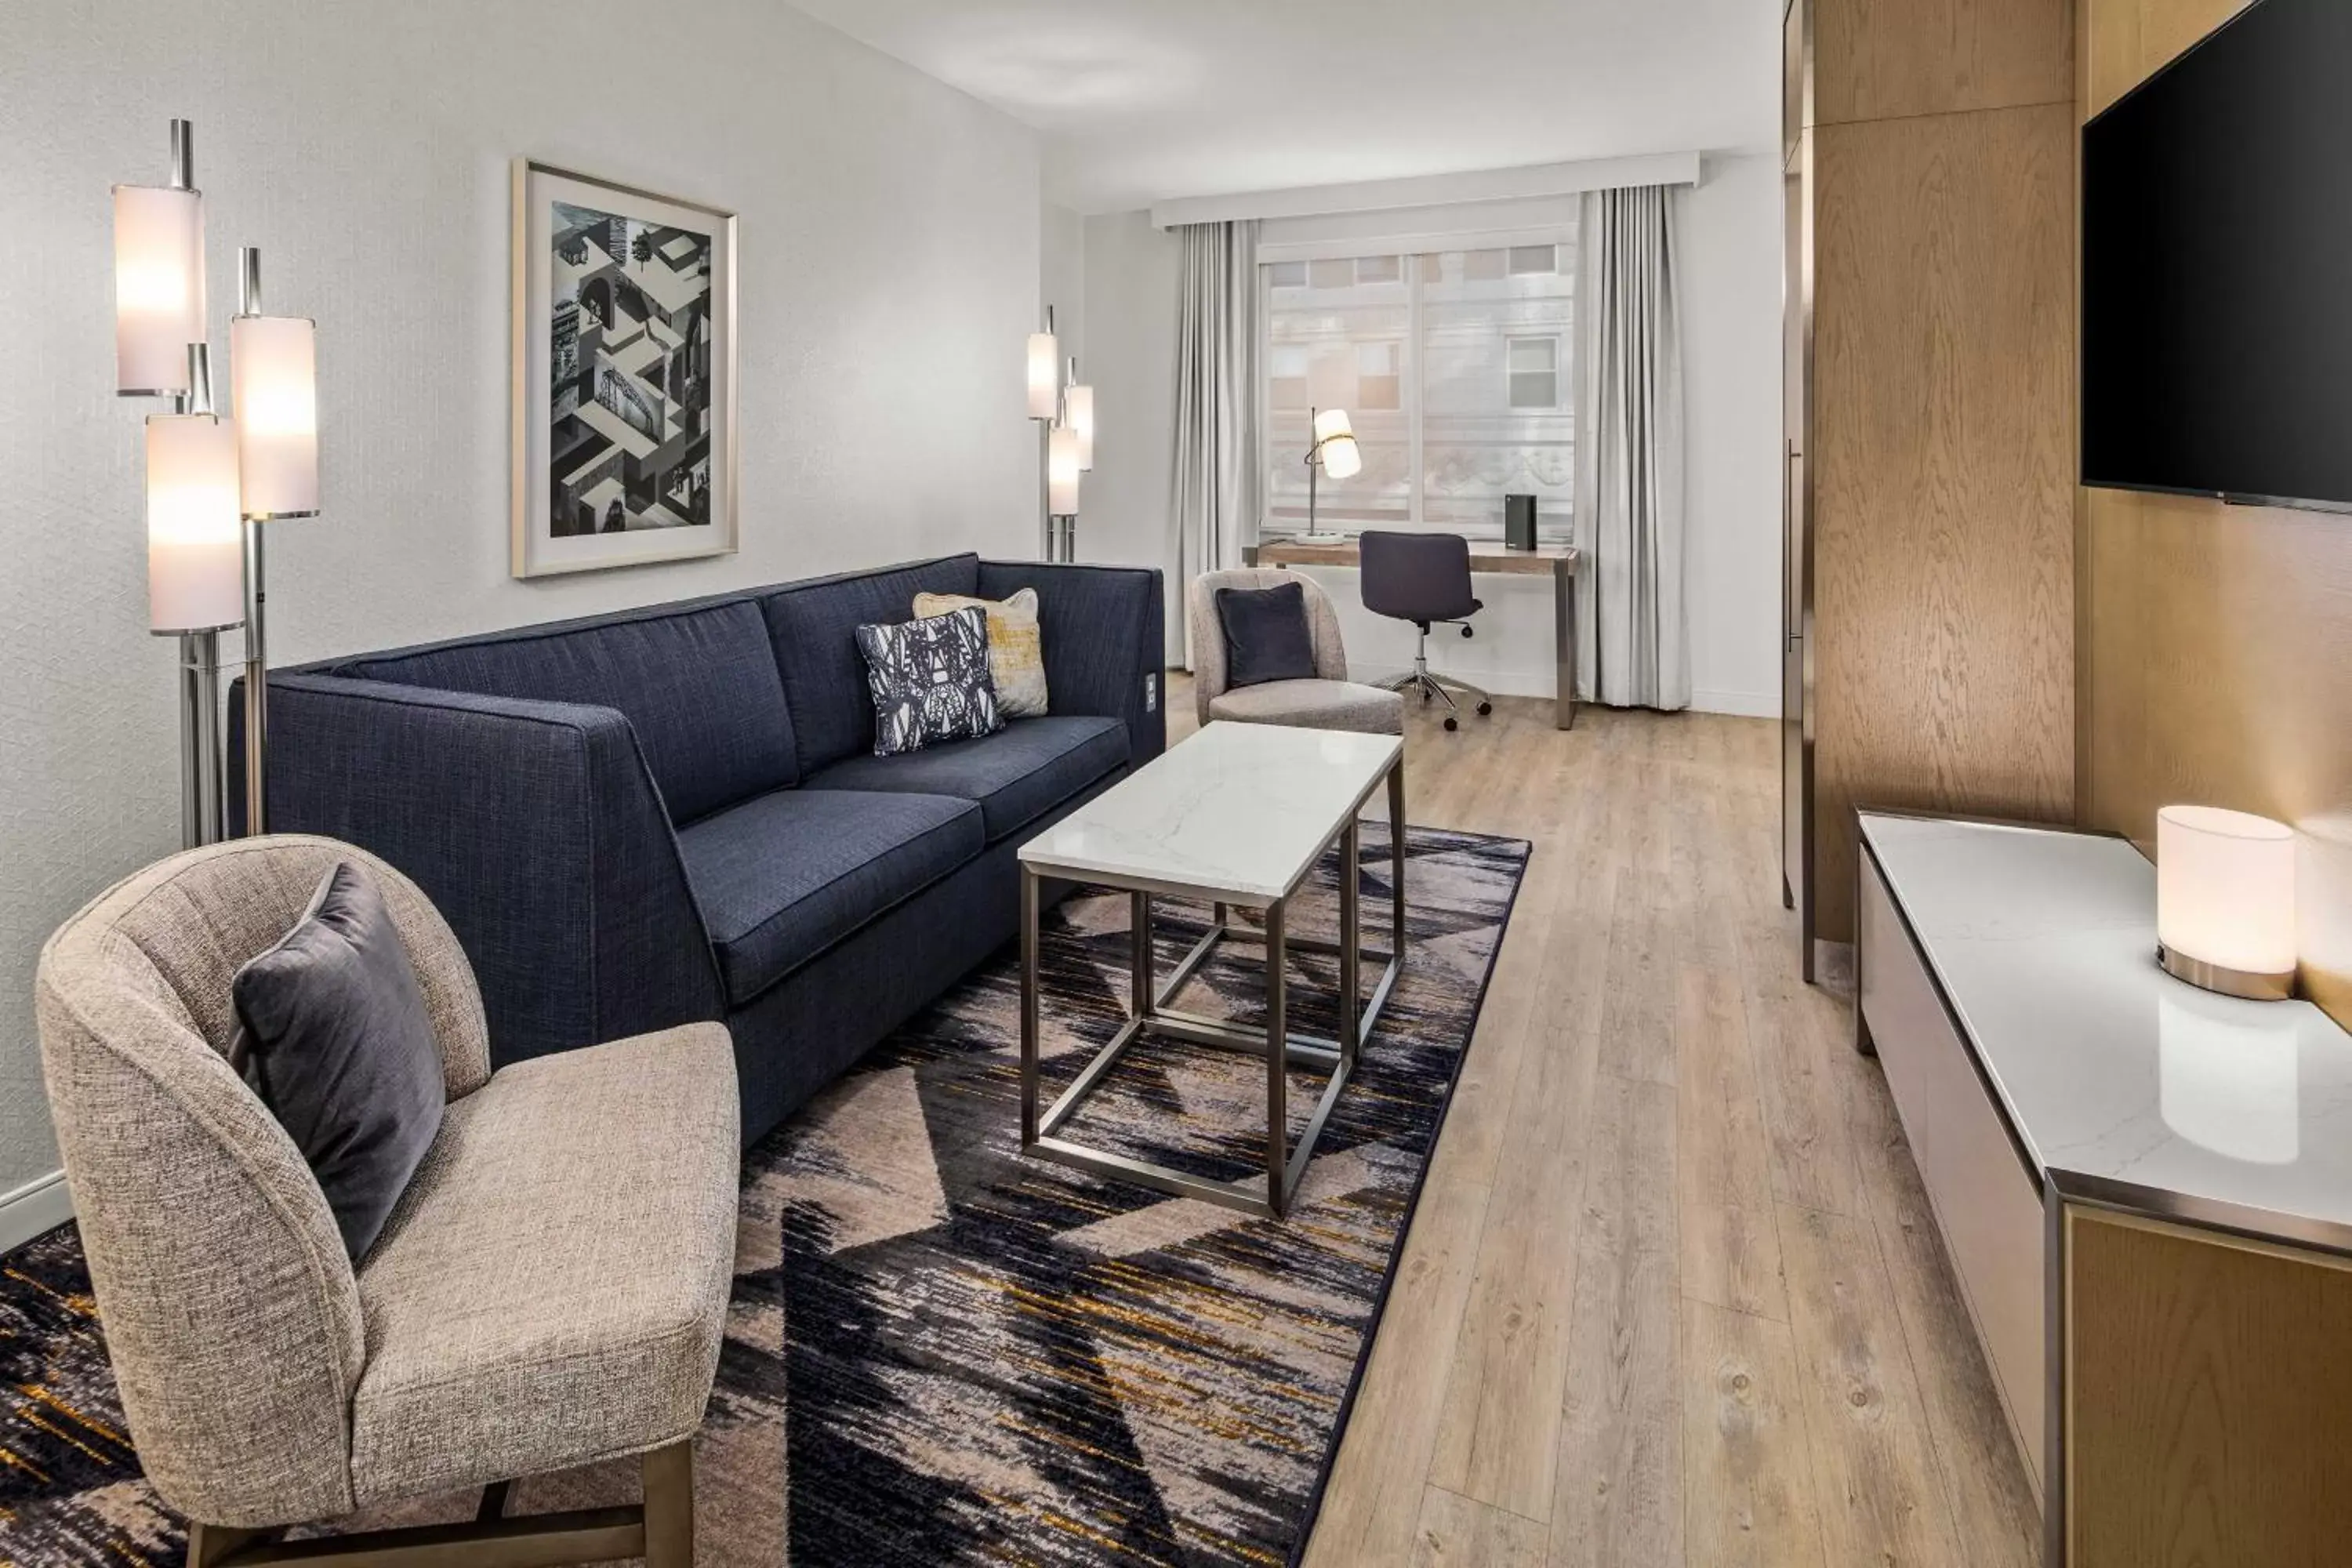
(208, 1544)
(669, 1506)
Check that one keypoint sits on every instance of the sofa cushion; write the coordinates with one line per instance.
(1314, 705)
(699, 688)
(334, 1035)
(815, 629)
(783, 877)
(1016, 775)
(554, 1288)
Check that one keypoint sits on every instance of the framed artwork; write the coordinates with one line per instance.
(624, 375)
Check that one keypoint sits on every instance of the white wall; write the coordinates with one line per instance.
(1130, 315)
(1731, 230)
(889, 269)
(1731, 417)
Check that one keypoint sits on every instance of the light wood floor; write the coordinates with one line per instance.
(1673, 1295)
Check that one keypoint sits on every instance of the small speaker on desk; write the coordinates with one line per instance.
(1520, 523)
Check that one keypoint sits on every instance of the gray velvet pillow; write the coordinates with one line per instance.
(1265, 635)
(333, 1035)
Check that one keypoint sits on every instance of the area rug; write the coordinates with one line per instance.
(939, 1353)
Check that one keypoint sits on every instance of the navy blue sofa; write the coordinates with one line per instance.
(674, 814)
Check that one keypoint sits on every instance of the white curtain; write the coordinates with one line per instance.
(1217, 489)
(1633, 642)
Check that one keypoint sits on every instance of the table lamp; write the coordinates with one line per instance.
(2225, 901)
(1333, 449)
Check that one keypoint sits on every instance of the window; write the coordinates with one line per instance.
(1534, 369)
(1452, 365)
(1380, 377)
(1286, 366)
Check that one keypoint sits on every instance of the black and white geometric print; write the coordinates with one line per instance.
(930, 681)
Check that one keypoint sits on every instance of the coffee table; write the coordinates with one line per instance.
(1236, 817)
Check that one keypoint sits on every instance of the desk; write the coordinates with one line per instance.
(1559, 561)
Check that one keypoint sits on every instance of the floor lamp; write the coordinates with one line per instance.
(211, 481)
(273, 362)
(1045, 409)
(195, 587)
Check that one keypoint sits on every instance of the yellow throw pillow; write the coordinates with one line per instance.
(1016, 656)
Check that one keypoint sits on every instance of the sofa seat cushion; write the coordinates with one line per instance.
(1016, 775)
(552, 1288)
(1314, 705)
(698, 685)
(785, 877)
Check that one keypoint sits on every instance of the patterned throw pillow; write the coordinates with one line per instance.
(1016, 655)
(930, 681)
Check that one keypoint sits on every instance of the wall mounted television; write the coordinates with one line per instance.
(2217, 268)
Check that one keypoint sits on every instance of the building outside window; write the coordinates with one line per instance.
(1453, 368)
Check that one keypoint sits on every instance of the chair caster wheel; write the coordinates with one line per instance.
(1465, 631)
(1454, 723)
(1484, 709)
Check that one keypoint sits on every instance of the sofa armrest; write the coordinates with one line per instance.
(1106, 646)
(535, 829)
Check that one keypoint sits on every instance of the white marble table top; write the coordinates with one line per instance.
(2109, 1069)
(1237, 811)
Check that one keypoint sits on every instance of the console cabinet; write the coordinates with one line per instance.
(2145, 1193)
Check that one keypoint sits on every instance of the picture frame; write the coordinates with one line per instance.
(625, 375)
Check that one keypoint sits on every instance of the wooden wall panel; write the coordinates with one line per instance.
(2217, 640)
(1944, 475)
(2124, 41)
(1887, 60)
(2206, 1392)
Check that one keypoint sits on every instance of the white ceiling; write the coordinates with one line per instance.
(1144, 100)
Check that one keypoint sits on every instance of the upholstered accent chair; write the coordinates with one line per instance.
(1329, 701)
(551, 1290)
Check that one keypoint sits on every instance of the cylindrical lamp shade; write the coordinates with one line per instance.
(273, 365)
(1078, 412)
(1336, 440)
(1062, 473)
(195, 546)
(1045, 377)
(159, 287)
(2225, 900)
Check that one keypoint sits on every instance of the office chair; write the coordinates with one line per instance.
(1424, 578)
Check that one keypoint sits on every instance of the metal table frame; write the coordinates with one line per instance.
(1150, 1015)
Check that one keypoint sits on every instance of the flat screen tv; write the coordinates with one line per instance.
(2217, 268)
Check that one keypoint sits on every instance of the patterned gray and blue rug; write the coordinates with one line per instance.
(939, 1353)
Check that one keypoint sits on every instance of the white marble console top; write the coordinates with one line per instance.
(2045, 943)
(1238, 812)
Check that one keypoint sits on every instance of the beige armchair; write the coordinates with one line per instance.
(1329, 701)
(549, 1292)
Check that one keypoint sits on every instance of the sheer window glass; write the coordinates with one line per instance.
(1453, 368)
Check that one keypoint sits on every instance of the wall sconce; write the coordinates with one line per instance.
(2225, 901)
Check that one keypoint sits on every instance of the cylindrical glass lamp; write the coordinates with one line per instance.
(159, 287)
(273, 368)
(2225, 900)
(195, 546)
(1078, 413)
(1045, 377)
(1334, 440)
(1062, 473)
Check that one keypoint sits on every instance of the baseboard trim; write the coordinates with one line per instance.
(40, 1204)
(1738, 704)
